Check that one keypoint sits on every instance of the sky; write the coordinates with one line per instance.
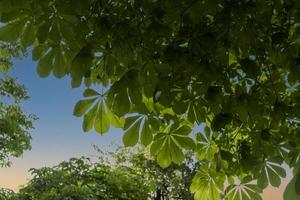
(58, 134)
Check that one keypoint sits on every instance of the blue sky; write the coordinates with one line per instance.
(58, 134)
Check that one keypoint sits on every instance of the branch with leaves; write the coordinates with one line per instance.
(168, 67)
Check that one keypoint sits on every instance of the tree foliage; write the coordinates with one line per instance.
(80, 179)
(14, 123)
(121, 175)
(172, 182)
(166, 66)
(6, 194)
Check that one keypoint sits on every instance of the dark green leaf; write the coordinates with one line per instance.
(11, 31)
(28, 36)
(45, 64)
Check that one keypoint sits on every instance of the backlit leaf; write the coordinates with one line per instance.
(82, 106)
(102, 122)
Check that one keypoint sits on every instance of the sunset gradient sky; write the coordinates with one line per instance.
(58, 135)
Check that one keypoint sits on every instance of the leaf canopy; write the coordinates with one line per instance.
(232, 66)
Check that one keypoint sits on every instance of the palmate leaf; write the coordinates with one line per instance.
(206, 147)
(207, 184)
(137, 127)
(152, 59)
(270, 173)
(243, 191)
(102, 122)
(167, 146)
(96, 113)
(195, 114)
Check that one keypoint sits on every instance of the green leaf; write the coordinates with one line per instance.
(89, 119)
(156, 146)
(67, 30)
(42, 32)
(196, 114)
(59, 68)
(130, 120)
(82, 63)
(121, 104)
(28, 36)
(297, 184)
(116, 121)
(262, 180)
(38, 51)
(11, 31)
(45, 64)
(176, 153)
(54, 33)
(250, 67)
(76, 82)
(90, 93)
(185, 142)
(131, 135)
(182, 131)
(175, 140)
(146, 134)
(290, 192)
(205, 185)
(206, 147)
(274, 178)
(271, 172)
(102, 122)
(82, 106)
(164, 155)
(243, 191)
(220, 121)
(144, 130)
(213, 94)
(170, 145)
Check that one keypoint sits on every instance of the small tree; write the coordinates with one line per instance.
(168, 183)
(121, 175)
(79, 179)
(14, 123)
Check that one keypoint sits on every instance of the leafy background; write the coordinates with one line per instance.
(60, 132)
(233, 80)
